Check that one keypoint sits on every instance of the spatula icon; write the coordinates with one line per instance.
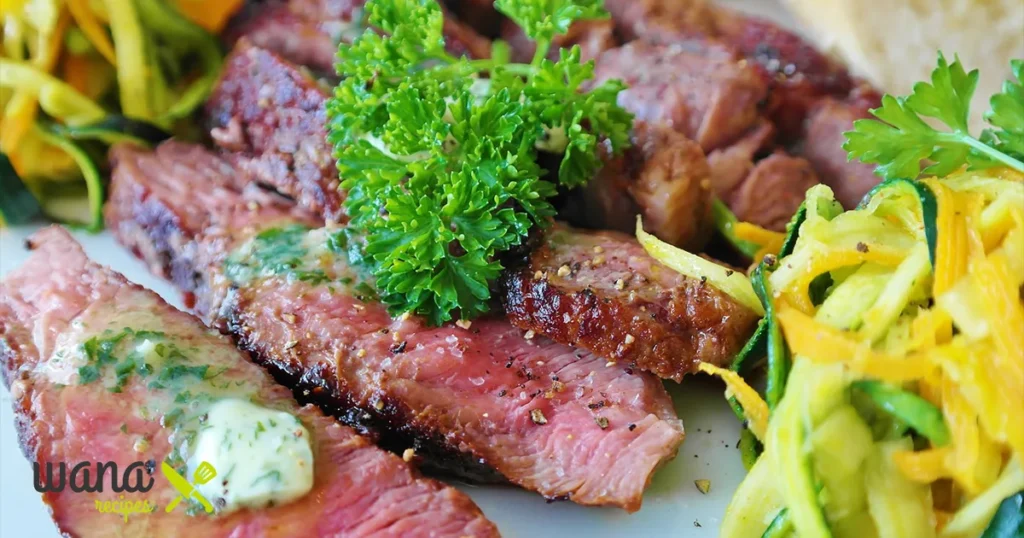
(203, 474)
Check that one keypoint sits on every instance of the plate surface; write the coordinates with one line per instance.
(672, 504)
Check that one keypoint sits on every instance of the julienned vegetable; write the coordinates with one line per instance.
(899, 416)
(17, 205)
(439, 154)
(77, 75)
(733, 283)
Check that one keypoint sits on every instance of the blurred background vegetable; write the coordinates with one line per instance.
(79, 75)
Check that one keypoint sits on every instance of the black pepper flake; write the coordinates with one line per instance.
(632, 427)
(729, 272)
(602, 422)
(862, 247)
(399, 347)
(696, 523)
(502, 393)
(703, 279)
(537, 416)
(509, 363)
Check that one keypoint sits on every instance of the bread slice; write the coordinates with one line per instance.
(893, 43)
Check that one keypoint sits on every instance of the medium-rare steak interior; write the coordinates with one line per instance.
(485, 400)
(102, 370)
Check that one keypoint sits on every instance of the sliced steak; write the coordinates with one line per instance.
(823, 147)
(307, 32)
(730, 165)
(592, 36)
(485, 401)
(665, 23)
(702, 90)
(59, 303)
(796, 72)
(772, 191)
(601, 291)
(270, 117)
(663, 176)
(666, 172)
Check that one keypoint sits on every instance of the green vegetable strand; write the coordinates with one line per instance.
(1008, 521)
(915, 411)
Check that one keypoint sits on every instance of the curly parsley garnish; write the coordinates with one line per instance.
(902, 139)
(439, 154)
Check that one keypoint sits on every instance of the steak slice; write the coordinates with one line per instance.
(772, 191)
(663, 176)
(796, 73)
(602, 292)
(307, 32)
(53, 307)
(271, 118)
(702, 90)
(823, 147)
(485, 402)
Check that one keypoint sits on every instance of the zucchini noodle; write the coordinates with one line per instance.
(905, 324)
(76, 66)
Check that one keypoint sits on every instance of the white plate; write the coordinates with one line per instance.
(672, 504)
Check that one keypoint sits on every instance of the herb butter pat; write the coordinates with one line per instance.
(262, 456)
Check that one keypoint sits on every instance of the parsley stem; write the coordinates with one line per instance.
(985, 149)
(543, 46)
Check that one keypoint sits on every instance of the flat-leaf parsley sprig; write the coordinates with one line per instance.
(902, 139)
(438, 154)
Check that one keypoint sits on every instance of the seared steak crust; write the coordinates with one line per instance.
(59, 299)
(270, 117)
(485, 401)
(602, 292)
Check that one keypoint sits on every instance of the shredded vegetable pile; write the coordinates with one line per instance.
(77, 75)
(893, 335)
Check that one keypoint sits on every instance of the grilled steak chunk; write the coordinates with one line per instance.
(795, 71)
(704, 91)
(485, 401)
(663, 176)
(270, 116)
(772, 191)
(602, 292)
(665, 23)
(307, 32)
(59, 303)
(823, 147)
(593, 37)
(730, 165)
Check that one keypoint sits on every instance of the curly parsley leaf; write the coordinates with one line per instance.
(438, 154)
(542, 20)
(900, 140)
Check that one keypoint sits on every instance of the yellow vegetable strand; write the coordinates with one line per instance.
(826, 345)
(20, 112)
(90, 25)
(754, 407)
(133, 76)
